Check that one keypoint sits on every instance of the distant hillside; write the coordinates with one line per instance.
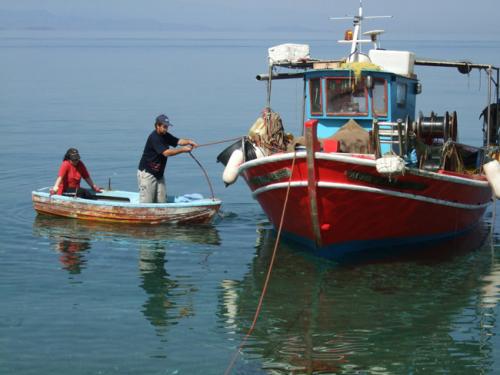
(44, 20)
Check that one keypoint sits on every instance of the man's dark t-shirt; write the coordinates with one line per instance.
(152, 160)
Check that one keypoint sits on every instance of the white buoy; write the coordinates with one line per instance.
(231, 171)
(390, 165)
(492, 171)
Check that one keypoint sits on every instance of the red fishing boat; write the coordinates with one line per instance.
(369, 171)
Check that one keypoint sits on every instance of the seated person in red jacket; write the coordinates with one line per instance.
(70, 173)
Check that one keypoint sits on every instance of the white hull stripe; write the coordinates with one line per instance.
(368, 189)
(346, 158)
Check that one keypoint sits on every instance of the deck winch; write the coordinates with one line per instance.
(429, 142)
(436, 127)
(433, 136)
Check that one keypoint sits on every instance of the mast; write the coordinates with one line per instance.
(356, 42)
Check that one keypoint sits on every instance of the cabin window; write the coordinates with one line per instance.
(315, 95)
(346, 97)
(379, 94)
(401, 93)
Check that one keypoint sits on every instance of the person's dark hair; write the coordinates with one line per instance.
(71, 154)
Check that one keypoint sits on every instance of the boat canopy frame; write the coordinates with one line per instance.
(464, 67)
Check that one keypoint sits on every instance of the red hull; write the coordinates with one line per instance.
(357, 207)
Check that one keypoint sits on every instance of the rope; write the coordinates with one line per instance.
(268, 276)
(269, 146)
(218, 142)
(206, 175)
(494, 216)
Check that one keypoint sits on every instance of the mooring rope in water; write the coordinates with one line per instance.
(205, 173)
(268, 276)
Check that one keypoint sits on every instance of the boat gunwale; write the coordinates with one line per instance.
(360, 159)
(126, 205)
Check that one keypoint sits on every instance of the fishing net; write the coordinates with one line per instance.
(451, 158)
(352, 138)
(268, 133)
(357, 67)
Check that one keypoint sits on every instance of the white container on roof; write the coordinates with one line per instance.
(288, 52)
(399, 62)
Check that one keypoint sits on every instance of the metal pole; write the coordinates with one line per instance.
(497, 106)
(269, 84)
(312, 178)
(303, 105)
(275, 76)
(488, 127)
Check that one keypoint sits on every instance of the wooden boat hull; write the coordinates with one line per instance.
(114, 207)
(359, 209)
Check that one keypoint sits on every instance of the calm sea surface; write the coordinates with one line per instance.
(83, 298)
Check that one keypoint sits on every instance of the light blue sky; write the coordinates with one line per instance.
(453, 18)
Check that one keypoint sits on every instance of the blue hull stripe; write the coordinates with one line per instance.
(347, 249)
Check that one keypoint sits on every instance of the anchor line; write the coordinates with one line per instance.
(268, 146)
(205, 173)
(218, 142)
(268, 275)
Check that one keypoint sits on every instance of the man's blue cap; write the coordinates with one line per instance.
(163, 120)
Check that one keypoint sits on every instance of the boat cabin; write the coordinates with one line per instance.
(335, 96)
(381, 88)
(366, 104)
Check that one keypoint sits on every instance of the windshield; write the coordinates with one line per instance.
(345, 96)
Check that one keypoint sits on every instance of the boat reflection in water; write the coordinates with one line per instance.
(54, 227)
(422, 314)
(68, 239)
(168, 298)
(72, 238)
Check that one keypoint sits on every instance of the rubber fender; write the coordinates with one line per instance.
(231, 171)
(224, 156)
(492, 171)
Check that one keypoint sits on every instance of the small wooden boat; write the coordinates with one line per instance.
(124, 207)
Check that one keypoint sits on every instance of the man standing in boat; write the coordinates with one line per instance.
(150, 176)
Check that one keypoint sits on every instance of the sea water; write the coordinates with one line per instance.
(85, 298)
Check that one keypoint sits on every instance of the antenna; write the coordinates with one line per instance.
(356, 21)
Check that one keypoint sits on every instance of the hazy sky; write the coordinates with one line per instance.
(416, 17)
